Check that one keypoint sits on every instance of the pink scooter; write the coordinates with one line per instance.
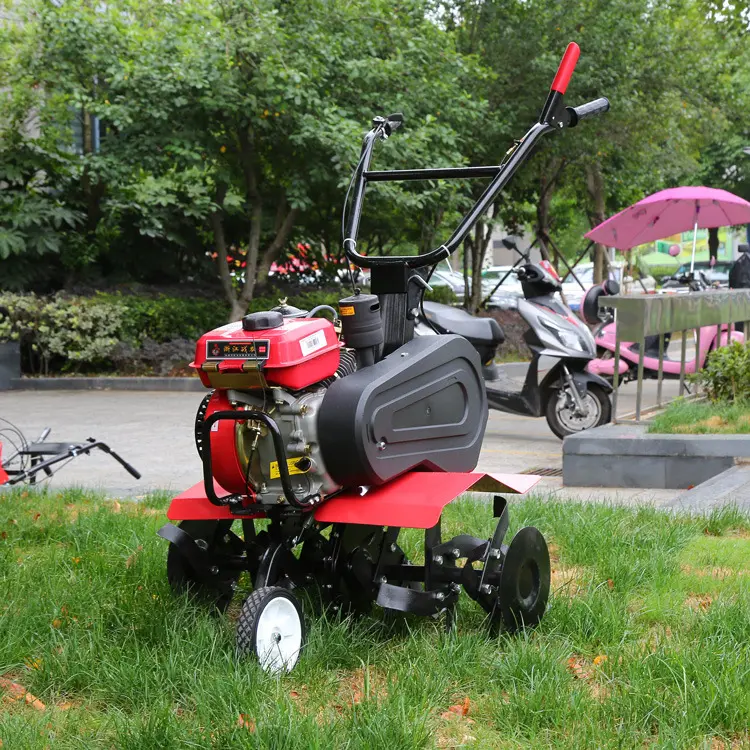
(605, 337)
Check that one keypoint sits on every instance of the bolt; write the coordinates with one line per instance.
(496, 553)
(456, 552)
(455, 587)
(394, 547)
(202, 543)
(280, 499)
(383, 579)
(263, 488)
(233, 585)
(227, 539)
(438, 559)
(440, 596)
(486, 588)
(381, 445)
(327, 586)
(214, 570)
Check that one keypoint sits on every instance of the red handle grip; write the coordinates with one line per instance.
(567, 66)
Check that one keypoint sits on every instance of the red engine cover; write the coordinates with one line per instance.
(301, 352)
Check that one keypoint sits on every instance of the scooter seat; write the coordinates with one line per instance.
(454, 320)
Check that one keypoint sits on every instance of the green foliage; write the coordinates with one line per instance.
(726, 376)
(443, 294)
(63, 331)
(119, 332)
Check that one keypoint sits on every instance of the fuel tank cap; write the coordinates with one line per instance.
(262, 321)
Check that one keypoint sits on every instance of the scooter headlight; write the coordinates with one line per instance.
(568, 337)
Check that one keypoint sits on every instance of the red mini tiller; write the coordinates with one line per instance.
(339, 433)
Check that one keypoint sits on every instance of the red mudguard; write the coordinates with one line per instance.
(413, 501)
(3, 475)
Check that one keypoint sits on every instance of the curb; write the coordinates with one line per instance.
(627, 456)
(176, 385)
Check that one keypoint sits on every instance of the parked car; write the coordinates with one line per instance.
(718, 274)
(574, 291)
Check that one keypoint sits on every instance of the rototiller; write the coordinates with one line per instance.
(341, 433)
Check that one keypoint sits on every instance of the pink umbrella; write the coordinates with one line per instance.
(669, 212)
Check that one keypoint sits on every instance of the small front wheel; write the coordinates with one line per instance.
(271, 627)
(563, 417)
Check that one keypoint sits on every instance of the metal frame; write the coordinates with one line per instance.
(639, 316)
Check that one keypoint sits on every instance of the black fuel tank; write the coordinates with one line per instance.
(424, 405)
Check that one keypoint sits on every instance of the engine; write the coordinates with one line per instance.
(332, 413)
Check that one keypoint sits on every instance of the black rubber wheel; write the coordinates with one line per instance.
(524, 580)
(271, 628)
(563, 422)
(214, 537)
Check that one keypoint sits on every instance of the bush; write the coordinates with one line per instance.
(726, 376)
(118, 332)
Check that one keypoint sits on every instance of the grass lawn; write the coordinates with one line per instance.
(703, 418)
(646, 644)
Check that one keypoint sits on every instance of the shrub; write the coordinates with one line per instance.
(726, 376)
(60, 332)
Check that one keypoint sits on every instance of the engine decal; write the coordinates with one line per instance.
(311, 344)
(234, 349)
(292, 464)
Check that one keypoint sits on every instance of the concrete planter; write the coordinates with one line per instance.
(627, 456)
(10, 363)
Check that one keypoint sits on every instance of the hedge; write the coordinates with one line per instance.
(120, 333)
(142, 335)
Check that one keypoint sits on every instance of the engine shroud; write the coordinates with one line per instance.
(424, 405)
(296, 355)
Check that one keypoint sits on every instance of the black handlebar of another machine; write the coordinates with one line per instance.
(554, 116)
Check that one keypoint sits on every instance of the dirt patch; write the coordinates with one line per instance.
(710, 424)
(567, 580)
(699, 602)
(589, 672)
(720, 573)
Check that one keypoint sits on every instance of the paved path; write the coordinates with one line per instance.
(154, 432)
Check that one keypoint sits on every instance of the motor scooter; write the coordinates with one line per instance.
(605, 335)
(570, 397)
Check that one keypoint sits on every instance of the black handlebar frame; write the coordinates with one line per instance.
(554, 117)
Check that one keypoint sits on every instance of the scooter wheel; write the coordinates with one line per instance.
(562, 419)
(271, 628)
(525, 580)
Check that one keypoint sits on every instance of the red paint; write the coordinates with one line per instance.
(286, 360)
(567, 66)
(415, 500)
(3, 475)
(225, 463)
(193, 505)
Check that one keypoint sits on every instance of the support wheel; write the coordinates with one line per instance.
(524, 580)
(562, 417)
(214, 538)
(271, 627)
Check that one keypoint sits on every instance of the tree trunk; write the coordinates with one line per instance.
(713, 243)
(595, 187)
(547, 186)
(220, 248)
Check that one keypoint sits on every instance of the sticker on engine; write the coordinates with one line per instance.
(311, 344)
(346, 310)
(292, 465)
(257, 349)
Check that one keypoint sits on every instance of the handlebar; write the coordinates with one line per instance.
(554, 116)
(596, 107)
(566, 68)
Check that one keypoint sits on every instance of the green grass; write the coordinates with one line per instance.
(645, 643)
(703, 418)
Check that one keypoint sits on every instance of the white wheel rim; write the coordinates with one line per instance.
(278, 637)
(568, 418)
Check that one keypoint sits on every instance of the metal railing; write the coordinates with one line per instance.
(639, 316)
